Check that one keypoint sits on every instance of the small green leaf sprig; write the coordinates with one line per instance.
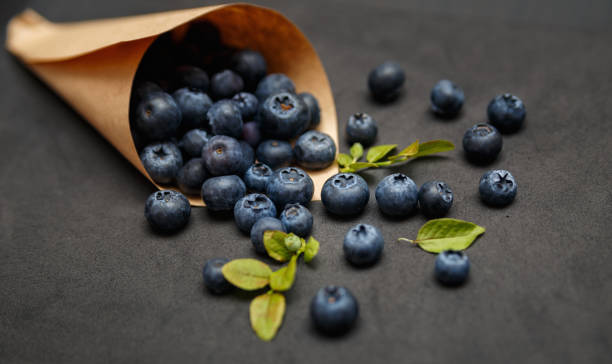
(374, 156)
(267, 310)
(446, 234)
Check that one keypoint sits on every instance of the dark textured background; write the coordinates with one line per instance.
(85, 280)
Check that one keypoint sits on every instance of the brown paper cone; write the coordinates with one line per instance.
(92, 64)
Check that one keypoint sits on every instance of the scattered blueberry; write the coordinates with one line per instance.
(290, 185)
(315, 150)
(167, 211)
(162, 161)
(386, 80)
(363, 245)
(222, 193)
(247, 103)
(225, 119)
(193, 77)
(191, 176)
(222, 155)
(251, 66)
(260, 227)
(257, 176)
(334, 310)
(497, 188)
(275, 153)
(435, 199)
(283, 116)
(482, 143)
(313, 105)
(345, 194)
(225, 84)
(361, 128)
(452, 267)
(193, 141)
(251, 208)
(397, 195)
(214, 280)
(251, 133)
(446, 98)
(506, 112)
(158, 117)
(194, 105)
(272, 84)
(297, 219)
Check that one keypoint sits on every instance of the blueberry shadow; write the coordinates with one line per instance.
(449, 287)
(313, 331)
(364, 267)
(434, 116)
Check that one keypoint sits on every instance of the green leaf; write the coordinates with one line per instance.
(274, 242)
(248, 274)
(282, 279)
(379, 152)
(356, 151)
(383, 164)
(409, 151)
(312, 248)
(344, 159)
(362, 165)
(444, 234)
(266, 313)
(434, 146)
(293, 242)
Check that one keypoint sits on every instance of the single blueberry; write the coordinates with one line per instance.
(192, 77)
(247, 103)
(214, 280)
(313, 105)
(345, 194)
(273, 83)
(193, 141)
(452, 267)
(222, 155)
(225, 84)
(248, 158)
(482, 143)
(194, 105)
(191, 176)
(297, 219)
(290, 185)
(260, 227)
(435, 199)
(397, 195)
(275, 153)
(251, 208)
(361, 128)
(251, 66)
(386, 80)
(446, 98)
(222, 193)
(162, 161)
(283, 116)
(257, 176)
(251, 133)
(225, 119)
(315, 150)
(167, 211)
(497, 188)
(334, 310)
(158, 117)
(506, 112)
(363, 245)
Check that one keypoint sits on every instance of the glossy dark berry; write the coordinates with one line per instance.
(251, 66)
(386, 80)
(222, 155)
(260, 227)
(247, 103)
(397, 195)
(334, 310)
(222, 193)
(167, 211)
(193, 77)
(506, 112)
(435, 199)
(193, 141)
(290, 185)
(257, 176)
(251, 208)
(482, 143)
(214, 280)
(225, 119)
(297, 219)
(272, 84)
(363, 245)
(313, 105)
(225, 84)
(157, 117)
(275, 153)
(194, 105)
(345, 194)
(191, 176)
(452, 267)
(315, 150)
(162, 161)
(497, 188)
(361, 128)
(251, 133)
(283, 116)
(144, 89)
(446, 98)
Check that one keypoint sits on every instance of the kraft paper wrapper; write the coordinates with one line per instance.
(92, 64)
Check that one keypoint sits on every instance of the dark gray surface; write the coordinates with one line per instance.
(85, 280)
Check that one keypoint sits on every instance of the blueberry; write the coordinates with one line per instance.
(260, 227)
(248, 157)
(315, 150)
(361, 128)
(193, 141)
(251, 133)
(162, 161)
(386, 80)
(251, 208)
(345, 194)
(283, 116)
(273, 84)
(297, 219)
(363, 245)
(397, 195)
(452, 267)
(334, 310)
(191, 176)
(247, 103)
(275, 153)
(222, 193)
(482, 143)
(506, 112)
(313, 105)
(290, 185)
(435, 199)
(497, 188)
(222, 155)
(144, 89)
(225, 84)
(194, 105)
(251, 66)
(158, 117)
(446, 98)
(214, 280)
(190, 76)
(167, 211)
(257, 176)
(225, 119)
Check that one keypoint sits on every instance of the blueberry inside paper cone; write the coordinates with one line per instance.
(92, 64)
